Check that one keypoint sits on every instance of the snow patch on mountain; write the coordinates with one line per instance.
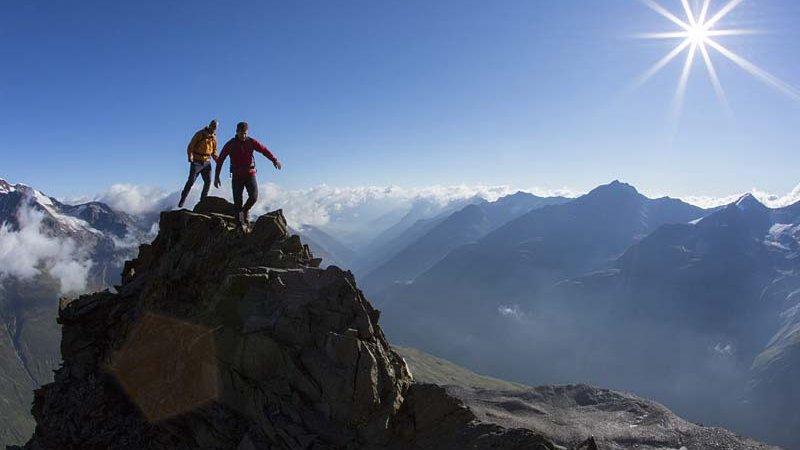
(6, 187)
(783, 236)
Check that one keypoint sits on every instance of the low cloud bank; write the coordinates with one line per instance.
(319, 205)
(28, 252)
(323, 205)
(768, 199)
(132, 199)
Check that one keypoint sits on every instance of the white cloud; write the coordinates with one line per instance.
(27, 252)
(705, 201)
(777, 201)
(132, 199)
(768, 199)
(322, 205)
(357, 205)
(319, 205)
(72, 275)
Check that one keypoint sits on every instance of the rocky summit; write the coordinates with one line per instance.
(220, 339)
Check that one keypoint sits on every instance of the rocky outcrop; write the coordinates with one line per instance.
(617, 420)
(567, 414)
(222, 339)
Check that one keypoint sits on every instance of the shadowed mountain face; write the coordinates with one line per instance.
(622, 291)
(47, 249)
(702, 316)
(467, 291)
(330, 249)
(423, 216)
(713, 305)
(464, 226)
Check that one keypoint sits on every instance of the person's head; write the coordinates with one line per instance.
(212, 126)
(241, 130)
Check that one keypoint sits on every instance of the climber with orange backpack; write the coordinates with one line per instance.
(201, 150)
(243, 169)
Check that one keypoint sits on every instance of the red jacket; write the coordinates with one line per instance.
(241, 153)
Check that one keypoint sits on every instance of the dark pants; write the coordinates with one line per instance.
(198, 168)
(239, 184)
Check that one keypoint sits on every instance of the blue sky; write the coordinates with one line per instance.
(411, 93)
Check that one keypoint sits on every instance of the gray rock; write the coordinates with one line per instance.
(214, 205)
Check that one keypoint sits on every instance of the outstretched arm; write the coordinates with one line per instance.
(220, 161)
(261, 148)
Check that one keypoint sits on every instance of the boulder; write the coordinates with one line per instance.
(214, 205)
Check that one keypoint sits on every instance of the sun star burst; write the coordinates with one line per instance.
(696, 33)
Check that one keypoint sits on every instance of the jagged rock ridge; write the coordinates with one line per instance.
(218, 339)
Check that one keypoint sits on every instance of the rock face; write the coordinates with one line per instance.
(219, 339)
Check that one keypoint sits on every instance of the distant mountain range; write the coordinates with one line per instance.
(459, 228)
(423, 216)
(713, 303)
(514, 262)
(696, 308)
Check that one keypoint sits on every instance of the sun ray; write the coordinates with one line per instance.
(756, 71)
(677, 106)
(703, 11)
(661, 63)
(732, 32)
(689, 12)
(662, 35)
(660, 9)
(712, 74)
(721, 13)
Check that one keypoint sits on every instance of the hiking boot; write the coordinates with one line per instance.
(246, 216)
(180, 203)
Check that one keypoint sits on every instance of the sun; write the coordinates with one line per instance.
(697, 33)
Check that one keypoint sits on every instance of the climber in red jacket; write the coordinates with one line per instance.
(243, 169)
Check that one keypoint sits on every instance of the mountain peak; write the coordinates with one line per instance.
(615, 189)
(749, 201)
(516, 196)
